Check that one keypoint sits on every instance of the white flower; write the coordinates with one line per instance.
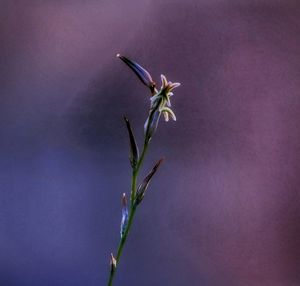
(160, 104)
(162, 98)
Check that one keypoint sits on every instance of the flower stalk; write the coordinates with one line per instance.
(159, 104)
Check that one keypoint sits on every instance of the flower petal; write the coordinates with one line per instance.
(168, 101)
(170, 112)
(173, 85)
(166, 116)
(164, 81)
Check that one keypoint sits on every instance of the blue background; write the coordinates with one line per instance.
(224, 207)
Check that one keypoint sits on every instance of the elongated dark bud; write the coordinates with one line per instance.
(141, 73)
(142, 188)
(134, 150)
(124, 219)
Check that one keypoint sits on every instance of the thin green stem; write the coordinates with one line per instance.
(142, 155)
(132, 211)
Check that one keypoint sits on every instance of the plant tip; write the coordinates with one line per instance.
(113, 262)
(124, 200)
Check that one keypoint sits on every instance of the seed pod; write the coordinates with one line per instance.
(134, 150)
(142, 188)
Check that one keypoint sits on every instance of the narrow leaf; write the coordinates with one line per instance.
(134, 151)
(141, 73)
(142, 188)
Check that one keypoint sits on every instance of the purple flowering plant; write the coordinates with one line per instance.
(159, 104)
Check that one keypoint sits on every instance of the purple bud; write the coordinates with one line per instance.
(151, 124)
(142, 73)
(142, 188)
(124, 219)
(134, 151)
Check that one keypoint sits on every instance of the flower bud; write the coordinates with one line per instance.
(141, 73)
(142, 188)
(113, 263)
(134, 151)
(124, 219)
(151, 124)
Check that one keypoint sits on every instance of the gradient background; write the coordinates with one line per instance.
(223, 209)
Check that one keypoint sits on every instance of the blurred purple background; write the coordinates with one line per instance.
(225, 207)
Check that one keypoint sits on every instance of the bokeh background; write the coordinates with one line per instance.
(225, 207)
